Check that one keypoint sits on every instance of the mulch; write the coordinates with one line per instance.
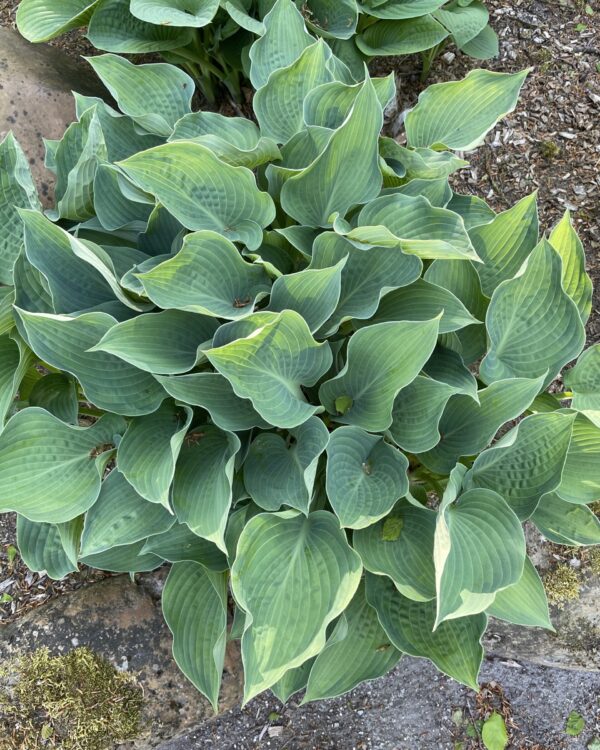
(551, 143)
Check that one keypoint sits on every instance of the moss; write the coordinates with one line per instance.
(77, 701)
(563, 584)
(593, 560)
(549, 150)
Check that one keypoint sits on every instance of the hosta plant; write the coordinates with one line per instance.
(290, 360)
(211, 38)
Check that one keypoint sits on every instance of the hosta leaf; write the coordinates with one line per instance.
(413, 225)
(283, 41)
(114, 28)
(576, 282)
(422, 300)
(269, 365)
(128, 558)
(479, 549)
(213, 392)
(533, 325)
(473, 210)
(121, 516)
(527, 463)
(365, 476)
(107, 381)
(565, 523)
(581, 474)
(16, 191)
(48, 469)
(329, 104)
(148, 451)
(56, 393)
(15, 360)
(287, 562)
(141, 340)
(403, 37)
(202, 488)
(313, 292)
(483, 46)
(399, 8)
(194, 13)
(31, 289)
(194, 605)
(114, 209)
(292, 681)
(505, 243)
(463, 21)
(41, 548)
(382, 359)
(467, 427)
(39, 22)
(448, 367)
(417, 412)
(7, 300)
(180, 544)
(523, 603)
(454, 647)
(280, 471)
(278, 104)
(362, 285)
(421, 163)
(357, 650)
(336, 18)
(203, 192)
(400, 546)
(345, 173)
(584, 381)
(459, 114)
(155, 95)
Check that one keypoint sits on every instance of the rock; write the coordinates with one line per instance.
(36, 102)
(123, 622)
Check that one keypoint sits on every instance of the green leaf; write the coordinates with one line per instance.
(584, 381)
(575, 724)
(565, 523)
(39, 22)
(413, 225)
(365, 476)
(15, 360)
(534, 328)
(493, 732)
(399, 8)
(213, 392)
(484, 46)
(16, 191)
(48, 470)
(114, 203)
(107, 381)
(113, 28)
(527, 463)
(459, 114)
(203, 192)
(120, 516)
(41, 548)
(447, 366)
(523, 603)
(56, 393)
(141, 340)
(382, 359)
(505, 243)
(194, 605)
(345, 173)
(401, 547)
(280, 471)
(473, 210)
(310, 570)
(292, 681)
(270, 363)
(479, 549)
(357, 650)
(576, 282)
(581, 474)
(365, 276)
(463, 21)
(402, 37)
(422, 300)
(127, 558)
(154, 95)
(180, 544)
(149, 449)
(467, 426)
(455, 646)
(333, 18)
(202, 488)
(278, 104)
(329, 104)
(194, 13)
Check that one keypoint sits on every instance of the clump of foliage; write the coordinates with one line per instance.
(75, 701)
(211, 38)
(278, 356)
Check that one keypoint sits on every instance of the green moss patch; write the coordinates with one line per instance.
(77, 701)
